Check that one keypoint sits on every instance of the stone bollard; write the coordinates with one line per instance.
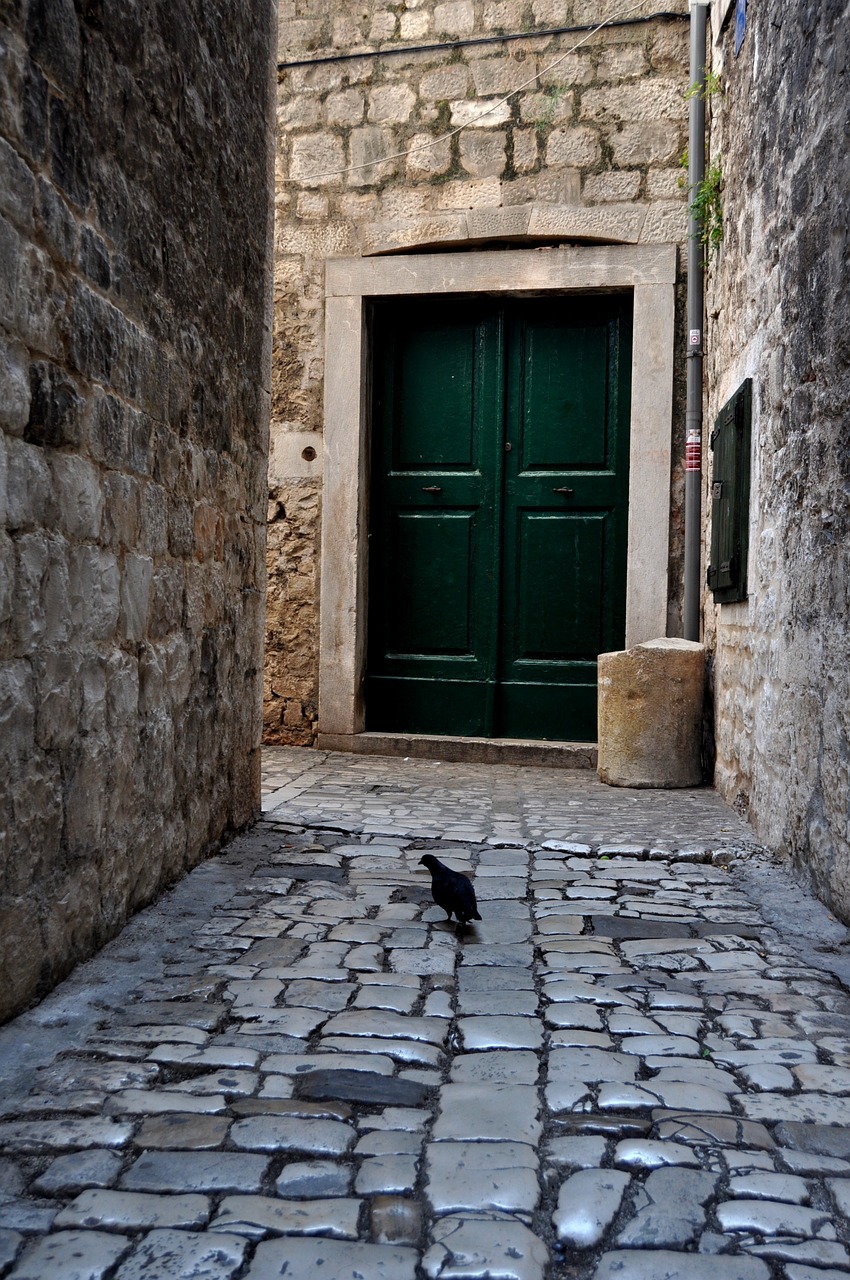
(650, 714)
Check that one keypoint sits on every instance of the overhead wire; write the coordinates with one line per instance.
(466, 42)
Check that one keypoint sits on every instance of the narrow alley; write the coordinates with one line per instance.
(291, 1065)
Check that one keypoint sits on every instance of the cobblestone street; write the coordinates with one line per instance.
(637, 1065)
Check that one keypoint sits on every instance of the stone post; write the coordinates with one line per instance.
(650, 714)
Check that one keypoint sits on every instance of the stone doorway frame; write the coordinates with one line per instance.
(649, 272)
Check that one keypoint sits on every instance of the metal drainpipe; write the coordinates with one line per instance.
(696, 291)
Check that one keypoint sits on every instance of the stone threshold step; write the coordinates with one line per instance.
(424, 746)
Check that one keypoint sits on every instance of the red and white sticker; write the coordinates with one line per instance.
(693, 451)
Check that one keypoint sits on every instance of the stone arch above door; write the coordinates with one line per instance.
(608, 224)
(648, 271)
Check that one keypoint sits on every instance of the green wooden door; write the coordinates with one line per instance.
(499, 508)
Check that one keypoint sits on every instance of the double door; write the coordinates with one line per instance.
(499, 503)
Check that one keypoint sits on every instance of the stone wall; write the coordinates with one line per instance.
(587, 150)
(779, 312)
(134, 380)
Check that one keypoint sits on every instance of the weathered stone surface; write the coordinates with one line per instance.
(195, 1171)
(471, 1244)
(500, 1032)
(650, 715)
(652, 1264)
(299, 1260)
(281, 1133)
(132, 1210)
(364, 1023)
(140, 1102)
(62, 1133)
(584, 1152)
(170, 1255)
(395, 1220)
(822, 1139)
(814, 1108)
(670, 1212)
(79, 1169)
(497, 1067)
(183, 1132)
(360, 1086)
(184, 1014)
(134, 389)
(770, 1186)
(14, 383)
(256, 1216)
(587, 1203)
(386, 1174)
(72, 1253)
(9, 1244)
(769, 1218)
(382, 1142)
(313, 1179)
(791, 637)
(482, 1176)
(27, 1216)
(488, 1112)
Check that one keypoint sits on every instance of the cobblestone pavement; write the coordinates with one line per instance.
(292, 1066)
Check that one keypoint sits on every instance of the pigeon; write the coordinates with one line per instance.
(451, 891)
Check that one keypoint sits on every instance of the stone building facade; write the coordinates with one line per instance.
(779, 313)
(457, 161)
(135, 238)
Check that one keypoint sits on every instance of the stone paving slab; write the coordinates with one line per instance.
(307, 1259)
(178, 1255)
(72, 1255)
(484, 1245)
(259, 1216)
(133, 1210)
(636, 1067)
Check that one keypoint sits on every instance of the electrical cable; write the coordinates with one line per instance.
(390, 51)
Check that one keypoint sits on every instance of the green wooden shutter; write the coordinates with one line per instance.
(730, 497)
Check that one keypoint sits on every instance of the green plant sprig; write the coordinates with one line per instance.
(709, 88)
(707, 206)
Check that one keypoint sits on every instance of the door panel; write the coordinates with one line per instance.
(430, 558)
(564, 401)
(433, 586)
(556, 616)
(499, 512)
(566, 494)
(434, 413)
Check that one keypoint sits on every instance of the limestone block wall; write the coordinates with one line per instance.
(779, 311)
(585, 150)
(135, 153)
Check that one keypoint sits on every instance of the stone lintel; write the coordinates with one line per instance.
(567, 268)
(624, 223)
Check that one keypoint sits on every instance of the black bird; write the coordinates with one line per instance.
(451, 891)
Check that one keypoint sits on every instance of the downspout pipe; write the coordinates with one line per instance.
(695, 310)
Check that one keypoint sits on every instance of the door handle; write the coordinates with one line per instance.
(568, 493)
(431, 488)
